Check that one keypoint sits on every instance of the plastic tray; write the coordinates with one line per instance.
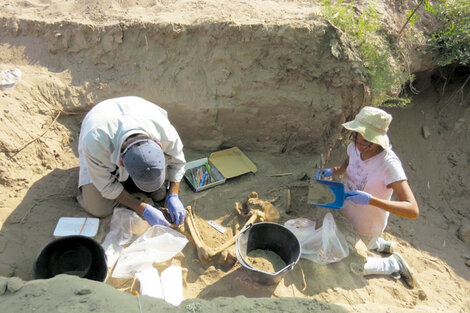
(337, 188)
(223, 164)
(215, 174)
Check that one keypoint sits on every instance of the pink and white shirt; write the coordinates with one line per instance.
(373, 176)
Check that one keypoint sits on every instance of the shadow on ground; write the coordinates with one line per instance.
(31, 225)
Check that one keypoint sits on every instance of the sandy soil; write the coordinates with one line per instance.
(438, 172)
(430, 136)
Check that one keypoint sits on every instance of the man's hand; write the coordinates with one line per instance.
(176, 208)
(154, 216)
(358, 196)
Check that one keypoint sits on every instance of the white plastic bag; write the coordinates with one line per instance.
(303, 228)
(157, 244)
(323, 245)
(125, 226)
(128, 224)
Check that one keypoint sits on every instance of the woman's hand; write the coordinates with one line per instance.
(358, 196)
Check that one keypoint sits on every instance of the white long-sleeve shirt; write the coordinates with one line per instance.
(104, 129)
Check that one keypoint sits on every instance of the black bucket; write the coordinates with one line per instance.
(74, 255)
(273, 237)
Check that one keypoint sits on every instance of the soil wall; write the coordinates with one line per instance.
(287, 87)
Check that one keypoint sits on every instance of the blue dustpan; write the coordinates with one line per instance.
(337, 188)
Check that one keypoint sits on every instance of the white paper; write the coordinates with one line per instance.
(150, 284)
(172, 285)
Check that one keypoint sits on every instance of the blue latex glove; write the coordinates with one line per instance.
(154, 216)
(324, 172)
(176, 208)
(358, 196)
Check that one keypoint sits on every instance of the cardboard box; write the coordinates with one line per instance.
(220, 166)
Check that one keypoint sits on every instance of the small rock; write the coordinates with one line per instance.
(82, 292)
(426, 132)
(304, 176)
(466, 263)
(452, 159)
(464, 233)
(14, 284)
(422, 295)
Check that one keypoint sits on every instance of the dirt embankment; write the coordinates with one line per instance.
(288, 85)
(210, 77)
(279, 71)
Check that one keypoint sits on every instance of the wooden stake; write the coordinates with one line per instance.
(288, 199)
(280, 174)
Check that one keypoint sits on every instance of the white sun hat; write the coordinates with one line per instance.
(372, 123)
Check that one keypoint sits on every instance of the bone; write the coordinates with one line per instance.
(259, 210)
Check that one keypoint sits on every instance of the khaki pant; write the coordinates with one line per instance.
(91, 200)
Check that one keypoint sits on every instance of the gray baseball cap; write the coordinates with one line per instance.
(145, 161)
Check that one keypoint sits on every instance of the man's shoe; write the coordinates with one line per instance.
(405, 270)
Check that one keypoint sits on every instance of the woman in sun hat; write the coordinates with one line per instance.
(374, 173)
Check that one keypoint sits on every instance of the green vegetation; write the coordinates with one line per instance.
(451, 42)
(368, 33)
(386, 72)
